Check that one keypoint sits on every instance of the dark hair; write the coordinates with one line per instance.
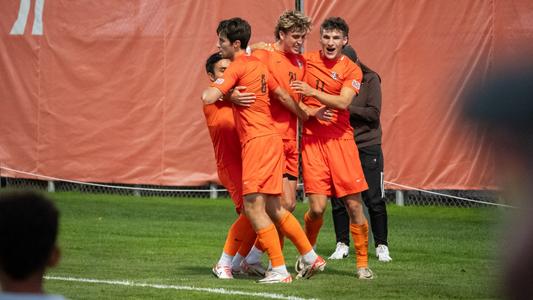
(211, 62)
(235, 29)
(28, 232)
(350, 52)
(335, 23)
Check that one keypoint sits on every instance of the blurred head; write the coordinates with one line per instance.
(291, 31)
(216, 65)
(333, 37)
(28, 232)
(233, 35)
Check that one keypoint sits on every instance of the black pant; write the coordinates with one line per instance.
(372, 162)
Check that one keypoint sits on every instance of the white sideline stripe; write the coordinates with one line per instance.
(22, 18)
(176, 287)
(222, 190)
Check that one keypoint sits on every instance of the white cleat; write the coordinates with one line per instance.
(275, 277)
(364, 273)
(252, 269)
(382, 253)
(222, 272)
(341, 251)
(309, 270)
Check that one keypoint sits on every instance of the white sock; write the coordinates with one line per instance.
(225, 259)
(254, 256)
(310, 257)
(236, 262)
(281, 270)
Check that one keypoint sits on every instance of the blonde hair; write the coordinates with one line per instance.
(292, 20)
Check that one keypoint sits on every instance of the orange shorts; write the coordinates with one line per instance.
(290, 149)
(231, 178)
(331, 166)
(262, 165)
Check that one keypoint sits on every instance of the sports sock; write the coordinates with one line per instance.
(254, 256)
(247, 243)
(312, 227)
(225, 259)
(310, 257)
(236, 262)
(293, 230)
(281, 270)
(269, 240)
(238, 230)
(360, 241)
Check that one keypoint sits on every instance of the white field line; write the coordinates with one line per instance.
(177, 287)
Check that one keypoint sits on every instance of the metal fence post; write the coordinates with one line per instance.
(213, 194)
(399, 198)
(51, 186)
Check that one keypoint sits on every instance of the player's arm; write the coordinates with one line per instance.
(211, 95)
(322, 113)
(286, 100)
(240, 98)
(334, 101)
(367, 105)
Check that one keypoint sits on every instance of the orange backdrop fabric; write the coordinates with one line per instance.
(109, 92)
(426, 53)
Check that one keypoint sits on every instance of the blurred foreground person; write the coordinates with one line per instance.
(28, 233)
(503, 105)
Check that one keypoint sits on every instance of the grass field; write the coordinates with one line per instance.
(163, 248)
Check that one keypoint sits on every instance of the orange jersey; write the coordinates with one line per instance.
(331, 76)
(255, 120)
(284, 68)
(221, 125)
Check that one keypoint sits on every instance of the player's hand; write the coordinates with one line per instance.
(325, 114)
(303, 88)
(241, 99)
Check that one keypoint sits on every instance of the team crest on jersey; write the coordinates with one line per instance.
(334, 75)
(356, 84)
(219, 81)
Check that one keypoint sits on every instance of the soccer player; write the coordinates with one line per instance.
(262, 148)
(221, 125)
(330, 159)
(285, 64)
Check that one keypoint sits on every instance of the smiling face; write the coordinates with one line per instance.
(332, 42)
(292, 41)
(219, 68)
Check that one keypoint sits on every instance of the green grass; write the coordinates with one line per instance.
(438, 252)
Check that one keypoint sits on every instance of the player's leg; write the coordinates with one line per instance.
(359, 230)
(372, 163)
(341, 224)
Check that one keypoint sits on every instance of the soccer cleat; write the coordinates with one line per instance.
(382, 253)
(299, 265)
(275, 277)
(364, 273)
(252, 269)
(341, 251)
(222, 272)
(307, 271)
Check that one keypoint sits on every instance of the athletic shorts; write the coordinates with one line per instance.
(331, 167)
(262, 165)
(231, 178)
(290, 149)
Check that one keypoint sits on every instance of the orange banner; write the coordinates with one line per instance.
(108, 91)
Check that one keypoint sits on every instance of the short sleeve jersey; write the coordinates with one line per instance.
(284, 68)
(221, 125)
(331, 76)
(255, 120)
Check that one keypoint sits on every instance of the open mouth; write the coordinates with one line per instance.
(330, 50)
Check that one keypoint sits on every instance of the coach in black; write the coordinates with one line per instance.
(364, 117)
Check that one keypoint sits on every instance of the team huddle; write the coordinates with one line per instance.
(252, 109)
